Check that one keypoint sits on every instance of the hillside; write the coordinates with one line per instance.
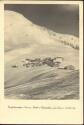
(25, 40)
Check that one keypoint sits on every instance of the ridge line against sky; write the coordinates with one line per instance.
(58, 18)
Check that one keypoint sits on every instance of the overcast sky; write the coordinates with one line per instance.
(59, 18)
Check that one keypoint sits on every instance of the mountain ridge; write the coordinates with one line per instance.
(18, 28)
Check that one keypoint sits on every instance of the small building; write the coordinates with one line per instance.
(14, 66)
(58, 60)
(69, 67)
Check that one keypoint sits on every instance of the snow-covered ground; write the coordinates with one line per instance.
(24, 39)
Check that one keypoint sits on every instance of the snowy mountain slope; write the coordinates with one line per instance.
(23, 40)
(42, 83)
(16, 25)
(29, 38)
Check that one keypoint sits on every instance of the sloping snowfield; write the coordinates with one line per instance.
(24, 40)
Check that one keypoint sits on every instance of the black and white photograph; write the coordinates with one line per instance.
(41, 51)
(41, 67)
